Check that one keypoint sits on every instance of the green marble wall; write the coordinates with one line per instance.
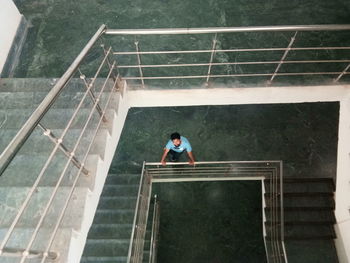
(62, 27)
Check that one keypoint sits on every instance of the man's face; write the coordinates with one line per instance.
(177, 142)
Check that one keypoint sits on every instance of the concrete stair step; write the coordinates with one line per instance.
(42, 84)
(53, 119)
(112, 216)
(304, 187)
(24, 170)
(306, 232)
(117, 202)
(99, 259)
(106, 247)
(119, 179)
(304, 216)
(67, 100)
(320, 251)
(21, 237)
(110, 231)
(316, 201)
(120, 190)
(39, 143)
(11, 199)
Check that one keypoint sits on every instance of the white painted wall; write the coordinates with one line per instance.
(9, 22)
(264, 95)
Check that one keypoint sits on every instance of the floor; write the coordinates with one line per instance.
(303, 135)
(61, 28)
(210, 222)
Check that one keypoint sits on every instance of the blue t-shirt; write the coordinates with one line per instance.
(185, 145)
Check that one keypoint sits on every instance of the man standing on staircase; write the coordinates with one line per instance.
(175, 147)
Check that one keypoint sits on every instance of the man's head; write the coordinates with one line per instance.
(175, 138)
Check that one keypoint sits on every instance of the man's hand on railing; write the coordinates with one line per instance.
(191, 162)
(163, 162)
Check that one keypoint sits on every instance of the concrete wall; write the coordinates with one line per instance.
(226, 96)
(9, 21)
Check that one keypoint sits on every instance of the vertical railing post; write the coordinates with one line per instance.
(139, 62)
(341, 74)
(283, 57)
(211, 59)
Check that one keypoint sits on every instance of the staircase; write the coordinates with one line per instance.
(18, 99)
(109, 236)
(308, 219)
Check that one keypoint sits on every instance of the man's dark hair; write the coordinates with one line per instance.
(175, 135)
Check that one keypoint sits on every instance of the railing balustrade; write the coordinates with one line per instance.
(71, 145)
(100, 76)
(269, 172)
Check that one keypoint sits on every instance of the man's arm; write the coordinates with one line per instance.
(164, 156)
(190, 155)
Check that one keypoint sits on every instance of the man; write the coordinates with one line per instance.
(176, 146)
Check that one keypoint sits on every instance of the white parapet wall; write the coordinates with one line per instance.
(10, 19)
(264, 95)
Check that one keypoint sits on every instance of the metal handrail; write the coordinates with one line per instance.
(16, 143)
(212, 30)
(135, 253)
(154, 233)
(231, 170)
(334, 74)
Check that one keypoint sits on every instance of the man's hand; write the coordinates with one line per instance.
(191, 157)
(165, 153)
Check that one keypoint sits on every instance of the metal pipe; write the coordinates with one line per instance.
(236, 63)
(283, 57)
(139, 63)
(211, 59)
(22, 135)
(238, 75)
(212, 30)
(342, 73)
(92, 95)
(135, 215)
(210, 162)
(227, 50)
(63, 148)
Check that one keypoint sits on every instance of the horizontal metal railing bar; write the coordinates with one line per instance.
(211, 162)
(213, 30)
(209, 174)
(22, 135)
(152, 170)
(207, 171)
(206, 179)
(234, 63)
(238, 75)
(226, 50)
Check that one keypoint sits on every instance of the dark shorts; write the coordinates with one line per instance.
(174, 156)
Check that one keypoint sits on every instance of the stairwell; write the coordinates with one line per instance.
(18, 99)
(308, 219)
